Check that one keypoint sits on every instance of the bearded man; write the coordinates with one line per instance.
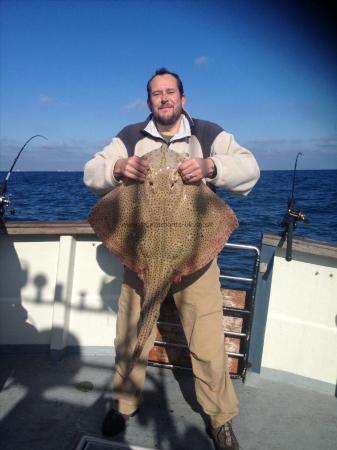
(213, 157)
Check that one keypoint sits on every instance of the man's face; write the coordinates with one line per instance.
(165, 101)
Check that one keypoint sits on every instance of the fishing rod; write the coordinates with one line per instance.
(6, 200)
(291, 217)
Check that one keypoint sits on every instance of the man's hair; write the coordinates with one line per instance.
(164, 71)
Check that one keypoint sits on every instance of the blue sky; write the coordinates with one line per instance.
(76, 72)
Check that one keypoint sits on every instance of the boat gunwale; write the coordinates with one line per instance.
(13, 228)
(312, 247)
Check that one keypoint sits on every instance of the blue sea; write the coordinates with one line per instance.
(55, 196)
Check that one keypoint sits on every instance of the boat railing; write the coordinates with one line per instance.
(170, 348)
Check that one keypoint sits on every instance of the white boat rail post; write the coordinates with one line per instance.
(248, 312)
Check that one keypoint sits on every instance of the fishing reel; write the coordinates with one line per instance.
(297, 215)
(5, 201)
(293, 215)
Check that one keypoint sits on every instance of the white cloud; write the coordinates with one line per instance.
(274, 141)
(327, 144)
(318, 146)
(51, 155)
(46, 100)
(201, 60)
(137, 105)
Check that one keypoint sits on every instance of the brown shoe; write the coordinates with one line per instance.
(224, 437)
(114, 423)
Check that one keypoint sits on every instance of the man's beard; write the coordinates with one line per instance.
(168, 120)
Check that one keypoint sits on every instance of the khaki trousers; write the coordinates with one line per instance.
(199, 303)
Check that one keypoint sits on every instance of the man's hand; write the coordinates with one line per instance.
(134, 167)
(194, 170)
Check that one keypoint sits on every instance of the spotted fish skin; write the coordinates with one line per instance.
(163, 230)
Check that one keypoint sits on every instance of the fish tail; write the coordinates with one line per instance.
(134, 358)
(150, 315)
(144, 333)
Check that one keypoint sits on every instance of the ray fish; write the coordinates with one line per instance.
(162, 229)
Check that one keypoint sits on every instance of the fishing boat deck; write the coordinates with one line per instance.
(44, 406)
